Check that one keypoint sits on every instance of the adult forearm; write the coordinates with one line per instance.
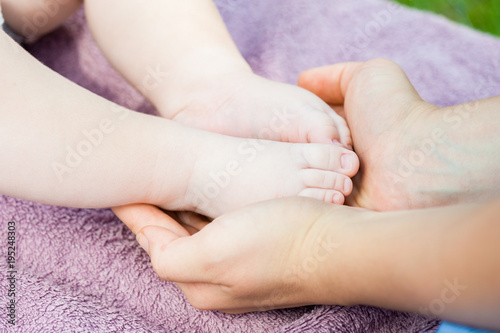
(439, 262)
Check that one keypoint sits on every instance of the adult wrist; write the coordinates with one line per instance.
(344, 244)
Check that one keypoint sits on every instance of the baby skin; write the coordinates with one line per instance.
(181, 57)
(217, 174)
(128, 157)
(199, 77)
(243, 104)
(208, 85)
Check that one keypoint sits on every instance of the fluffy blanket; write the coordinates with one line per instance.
(82, 271)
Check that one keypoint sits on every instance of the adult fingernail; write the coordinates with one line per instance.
(346, 162)
(143, 242)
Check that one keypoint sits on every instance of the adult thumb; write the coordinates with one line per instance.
(375, 77)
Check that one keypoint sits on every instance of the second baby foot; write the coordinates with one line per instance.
(216, 174)
(243, 104)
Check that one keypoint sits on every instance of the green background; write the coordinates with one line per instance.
(480, 14)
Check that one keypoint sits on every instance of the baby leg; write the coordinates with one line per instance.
(35, 18)
(181, 57)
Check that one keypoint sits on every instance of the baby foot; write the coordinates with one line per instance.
(223, 173)
(243, 104)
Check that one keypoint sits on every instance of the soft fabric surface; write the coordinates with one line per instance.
(82, 270)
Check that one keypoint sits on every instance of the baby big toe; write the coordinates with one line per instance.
(331, 158)
(325, 134)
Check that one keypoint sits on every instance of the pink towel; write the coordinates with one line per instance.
(82, 271)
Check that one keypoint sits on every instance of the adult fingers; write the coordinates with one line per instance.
(177, 258)
(138, 216)
(192, 222)
(175, 255)
(329, 82)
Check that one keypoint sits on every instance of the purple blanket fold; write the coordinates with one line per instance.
(82, 270)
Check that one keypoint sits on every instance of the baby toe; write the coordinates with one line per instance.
(328, 196)
(343, 130)
(325, 134)
(328, 180)
(330, 158)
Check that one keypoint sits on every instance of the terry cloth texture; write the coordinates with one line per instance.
(81, 270)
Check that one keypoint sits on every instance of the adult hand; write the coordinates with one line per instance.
(387, 119)
(268, 255)
(298, 251)
(412, 153)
